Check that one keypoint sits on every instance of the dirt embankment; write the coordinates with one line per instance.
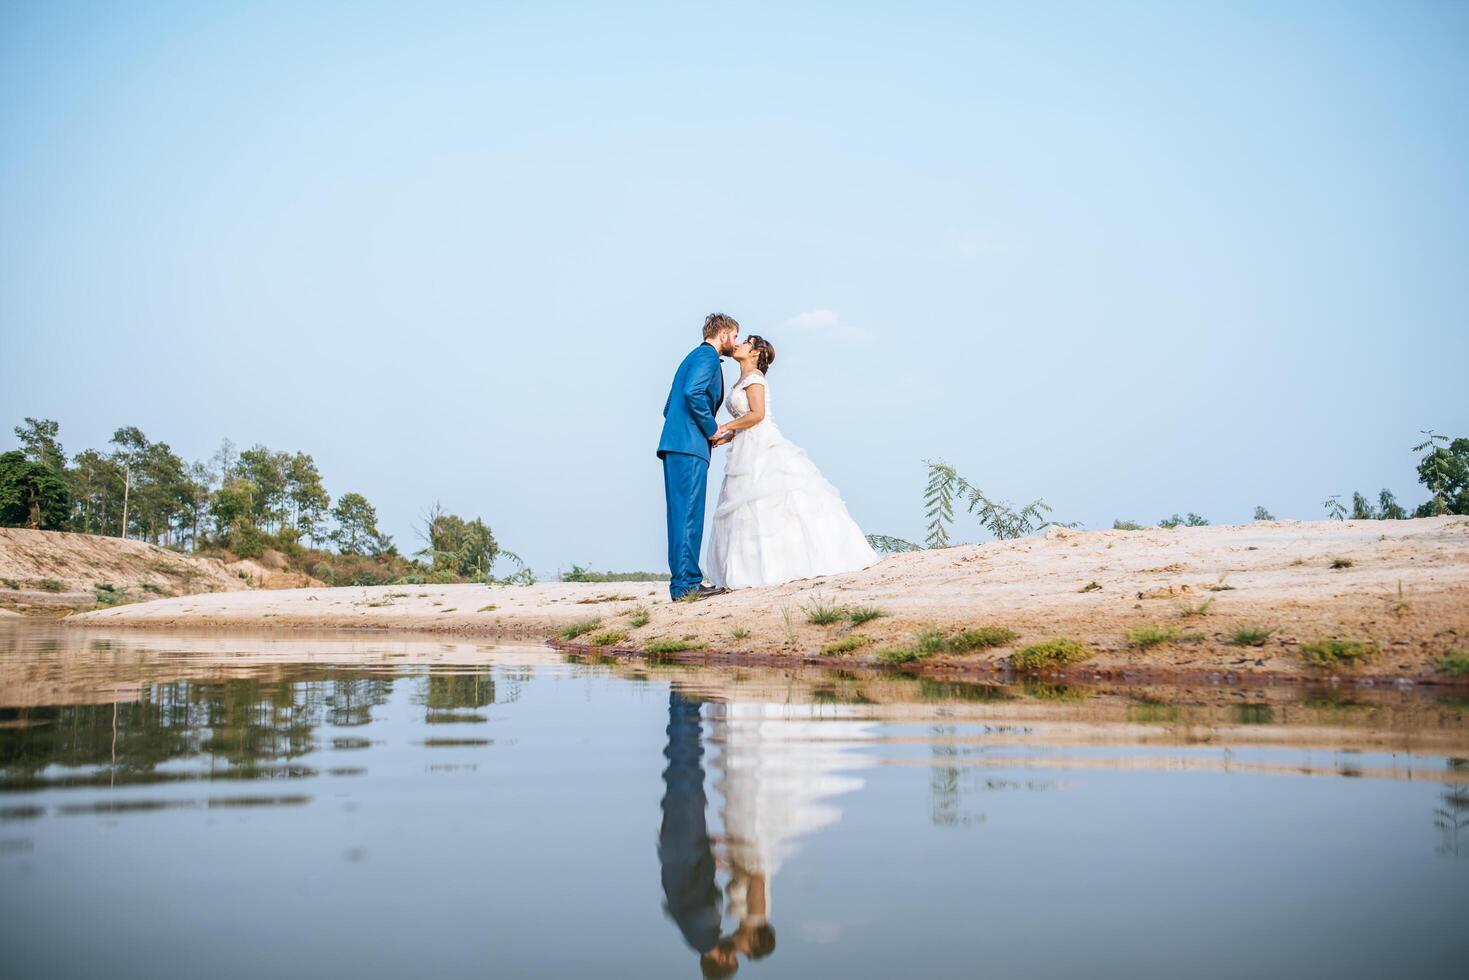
(1400, 588)
(50, 572)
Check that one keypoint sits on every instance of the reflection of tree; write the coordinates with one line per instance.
(244, 723)
(1452, 818)
(352, 699)
(444, 691)
(946, 804)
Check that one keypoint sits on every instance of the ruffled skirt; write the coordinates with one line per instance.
(778, 519)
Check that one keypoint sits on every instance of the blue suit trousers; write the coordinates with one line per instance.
(685, 478)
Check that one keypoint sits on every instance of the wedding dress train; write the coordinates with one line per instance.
(778, 519)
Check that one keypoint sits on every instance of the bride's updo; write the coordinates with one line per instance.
(764, 352)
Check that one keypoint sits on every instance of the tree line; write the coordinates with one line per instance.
(240, 502)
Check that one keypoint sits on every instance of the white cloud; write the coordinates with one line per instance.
(828, 323)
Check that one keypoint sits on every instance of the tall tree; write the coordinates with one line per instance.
(38, 437)
(1444, 470)
(464, 548)
(309, 499)
(96, 487)
(357, 532)
(130, 445)
(32, 494)
(266, 469)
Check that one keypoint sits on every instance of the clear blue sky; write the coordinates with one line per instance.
(1134, 258)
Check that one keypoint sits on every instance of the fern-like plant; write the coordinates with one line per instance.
(1433, 470)
(886, 544)
(945, 485)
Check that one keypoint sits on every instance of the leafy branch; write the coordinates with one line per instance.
(1000, 518)
(888, 545)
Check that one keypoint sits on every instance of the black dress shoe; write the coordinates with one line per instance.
(705, 591)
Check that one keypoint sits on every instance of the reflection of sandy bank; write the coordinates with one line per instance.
(55, 665)
(1273, 574)
(48, 665)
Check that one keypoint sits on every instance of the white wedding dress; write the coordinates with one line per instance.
(778, 519)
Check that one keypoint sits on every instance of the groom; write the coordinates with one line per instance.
(688, 428)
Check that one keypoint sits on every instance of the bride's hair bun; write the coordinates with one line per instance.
(764, 352)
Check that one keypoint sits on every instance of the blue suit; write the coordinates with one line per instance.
(685, 857)
(688, 424)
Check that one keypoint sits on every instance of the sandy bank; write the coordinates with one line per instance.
(51, 572)
(1403, 585)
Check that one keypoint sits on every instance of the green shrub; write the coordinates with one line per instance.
(672, 646)
(608, 638)
(578, 628)
(1126, 526)
(849, 643)
(1250, 636)
(1055, 652)
(639, 618)
(980, 638)
(50, 585)
(1331, 654)
(1150, 635)
(864, 614)
(1456, 664)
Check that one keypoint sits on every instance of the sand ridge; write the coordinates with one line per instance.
(1403, 585)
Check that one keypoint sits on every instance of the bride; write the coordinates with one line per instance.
(778, 519)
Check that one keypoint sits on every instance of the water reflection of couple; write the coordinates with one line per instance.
(776, 779)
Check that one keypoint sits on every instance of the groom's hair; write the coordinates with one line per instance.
(717, 323)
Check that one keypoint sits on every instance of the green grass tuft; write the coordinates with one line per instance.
(1092, 586)
(640, 617)
(672, 646)
(927, 643)
(1055, 652)
(822, 613)
(577, 629)
(607, 638)
(851, 642)
(1342, 563)
(1190, 609)
(1150, 635)
(1250, 636)
(899, 655)
(980, 638)
(490, 608)
(739, 633)
(864, 614)
(1331, 654)
(50, 585)
(1126, 526)
(1456, 664)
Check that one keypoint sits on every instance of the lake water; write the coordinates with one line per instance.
(238, 805)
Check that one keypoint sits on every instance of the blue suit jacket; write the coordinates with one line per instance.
(697, 393)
